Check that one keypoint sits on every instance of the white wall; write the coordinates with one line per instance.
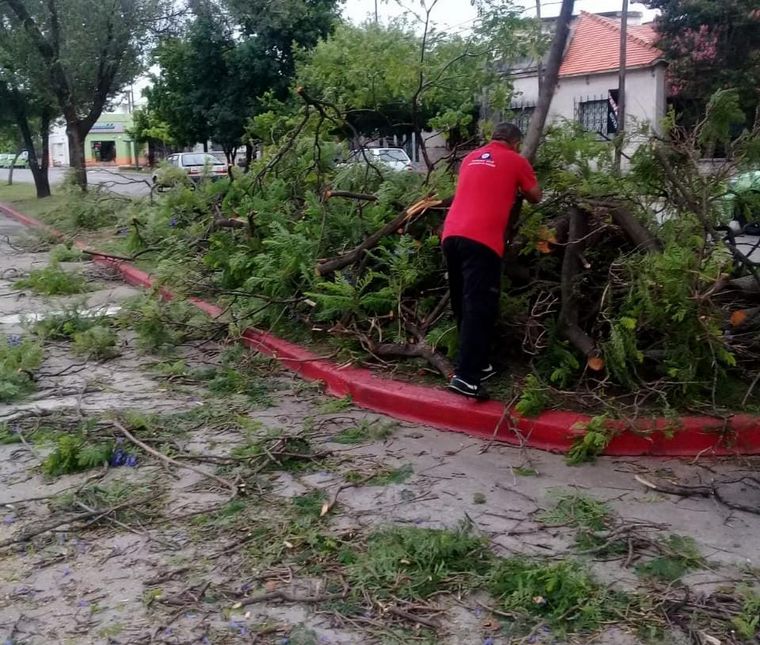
(645, 94)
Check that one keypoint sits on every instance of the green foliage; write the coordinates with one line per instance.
(88, 211)
(680, 555)
(70, 320)
(365, 431)
(534, 399)
(19, 358)
(334, 406)
(659, 306)
(161, 325)
(97, 342)
(710, 46)
(562, 594)
(411, 563)
(74, 453)
(52, 280)
(65, 253)
(747, 622)
(592, 441)
(577, 511)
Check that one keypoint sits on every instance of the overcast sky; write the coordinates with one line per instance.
(458, 14)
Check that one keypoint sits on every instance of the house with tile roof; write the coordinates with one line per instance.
(587, 90)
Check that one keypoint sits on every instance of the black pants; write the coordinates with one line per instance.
(474, 281)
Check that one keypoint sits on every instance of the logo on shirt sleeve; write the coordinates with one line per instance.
(485, 155)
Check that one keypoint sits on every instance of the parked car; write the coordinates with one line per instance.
(22, 161)
(393, 158)
(195, 165)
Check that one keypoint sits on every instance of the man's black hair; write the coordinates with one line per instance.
(508, 132)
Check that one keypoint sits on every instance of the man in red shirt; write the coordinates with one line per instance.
(473, 244)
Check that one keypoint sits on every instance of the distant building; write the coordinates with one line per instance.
(587, 90)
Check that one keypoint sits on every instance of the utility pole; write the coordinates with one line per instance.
(375, 12)
(620, 137)
(540, 65)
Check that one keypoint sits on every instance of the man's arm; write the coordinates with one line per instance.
(533, 195)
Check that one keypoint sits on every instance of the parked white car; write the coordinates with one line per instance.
(196, 165)
(393, 158)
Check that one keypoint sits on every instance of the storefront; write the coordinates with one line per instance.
(109, 143)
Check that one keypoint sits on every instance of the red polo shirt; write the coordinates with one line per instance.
(488, 182)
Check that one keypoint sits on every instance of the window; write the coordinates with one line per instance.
(599, 114)
(521, 116)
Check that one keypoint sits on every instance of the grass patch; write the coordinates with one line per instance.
(23, 197)
(52, 280)
(561, 594)
(19, 358)
(365, 431)
(97, 342)
(412, 563)
(274, 451)
(680, 555)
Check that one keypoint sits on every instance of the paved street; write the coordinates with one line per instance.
(125, 183)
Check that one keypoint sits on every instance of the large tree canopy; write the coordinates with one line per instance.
(408, 77)
(711, 45)
(212, 77)
(82, 52)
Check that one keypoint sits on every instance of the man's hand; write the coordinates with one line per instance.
(533, 195)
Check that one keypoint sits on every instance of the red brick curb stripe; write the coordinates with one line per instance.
(554, 431)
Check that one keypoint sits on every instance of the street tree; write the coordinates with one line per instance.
(82, 52)
(27, 111)
(213, 76)
(407, 77)
(710, 46)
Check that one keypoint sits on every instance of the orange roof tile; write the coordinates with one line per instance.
(595, 46)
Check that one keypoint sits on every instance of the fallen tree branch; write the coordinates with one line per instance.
(349, 195)
(173, 462)
(568, 316)
(326, 267)
(417, 350)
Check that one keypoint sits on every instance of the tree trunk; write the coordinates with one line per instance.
(549, 84)
(76, 155)
(248, 156)
(40, 166)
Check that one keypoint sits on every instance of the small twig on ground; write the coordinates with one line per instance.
(286, 596)
(173, 462)
(432, 624)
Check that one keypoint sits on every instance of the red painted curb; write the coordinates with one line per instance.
(554, 431)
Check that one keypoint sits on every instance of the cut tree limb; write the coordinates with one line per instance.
(635, 230)
(347, 259)
(416, 350)
(571, 265)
